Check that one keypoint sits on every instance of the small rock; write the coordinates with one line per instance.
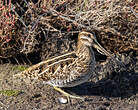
(62, 100)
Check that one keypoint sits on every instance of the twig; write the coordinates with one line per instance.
(55, 13)
(19, 18)
(4, 106)
(136, 14)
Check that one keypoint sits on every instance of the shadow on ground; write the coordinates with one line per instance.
(108, 88)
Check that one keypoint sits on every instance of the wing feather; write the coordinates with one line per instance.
(46, 69)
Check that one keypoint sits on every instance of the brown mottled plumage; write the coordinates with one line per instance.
(70, 69)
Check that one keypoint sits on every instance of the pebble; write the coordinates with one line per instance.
(62, 100)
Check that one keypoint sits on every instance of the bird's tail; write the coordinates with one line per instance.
(22, 76)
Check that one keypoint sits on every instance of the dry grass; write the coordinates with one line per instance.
(9, 39)
(113, 22)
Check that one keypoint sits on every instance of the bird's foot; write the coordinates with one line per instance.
(67, 94)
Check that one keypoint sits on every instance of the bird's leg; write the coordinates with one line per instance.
(67, 94)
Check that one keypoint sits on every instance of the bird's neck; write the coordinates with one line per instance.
(85, 53)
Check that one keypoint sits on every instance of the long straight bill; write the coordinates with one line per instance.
(101, 50)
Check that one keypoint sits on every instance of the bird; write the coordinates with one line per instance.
(69, 69)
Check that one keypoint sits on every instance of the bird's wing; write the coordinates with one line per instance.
(48, 69)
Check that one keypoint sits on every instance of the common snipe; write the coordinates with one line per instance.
(70, 69)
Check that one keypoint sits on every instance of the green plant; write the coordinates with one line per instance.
(10, 92)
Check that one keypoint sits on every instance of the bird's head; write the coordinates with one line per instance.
(89, 40)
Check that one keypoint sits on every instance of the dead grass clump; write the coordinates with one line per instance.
(9, 38)
(114, 22)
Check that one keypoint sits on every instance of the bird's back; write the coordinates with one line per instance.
(67, 70)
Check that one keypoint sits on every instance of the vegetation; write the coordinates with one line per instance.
(26, 25)
(10, 92)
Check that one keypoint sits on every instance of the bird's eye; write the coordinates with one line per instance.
(89, 35)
